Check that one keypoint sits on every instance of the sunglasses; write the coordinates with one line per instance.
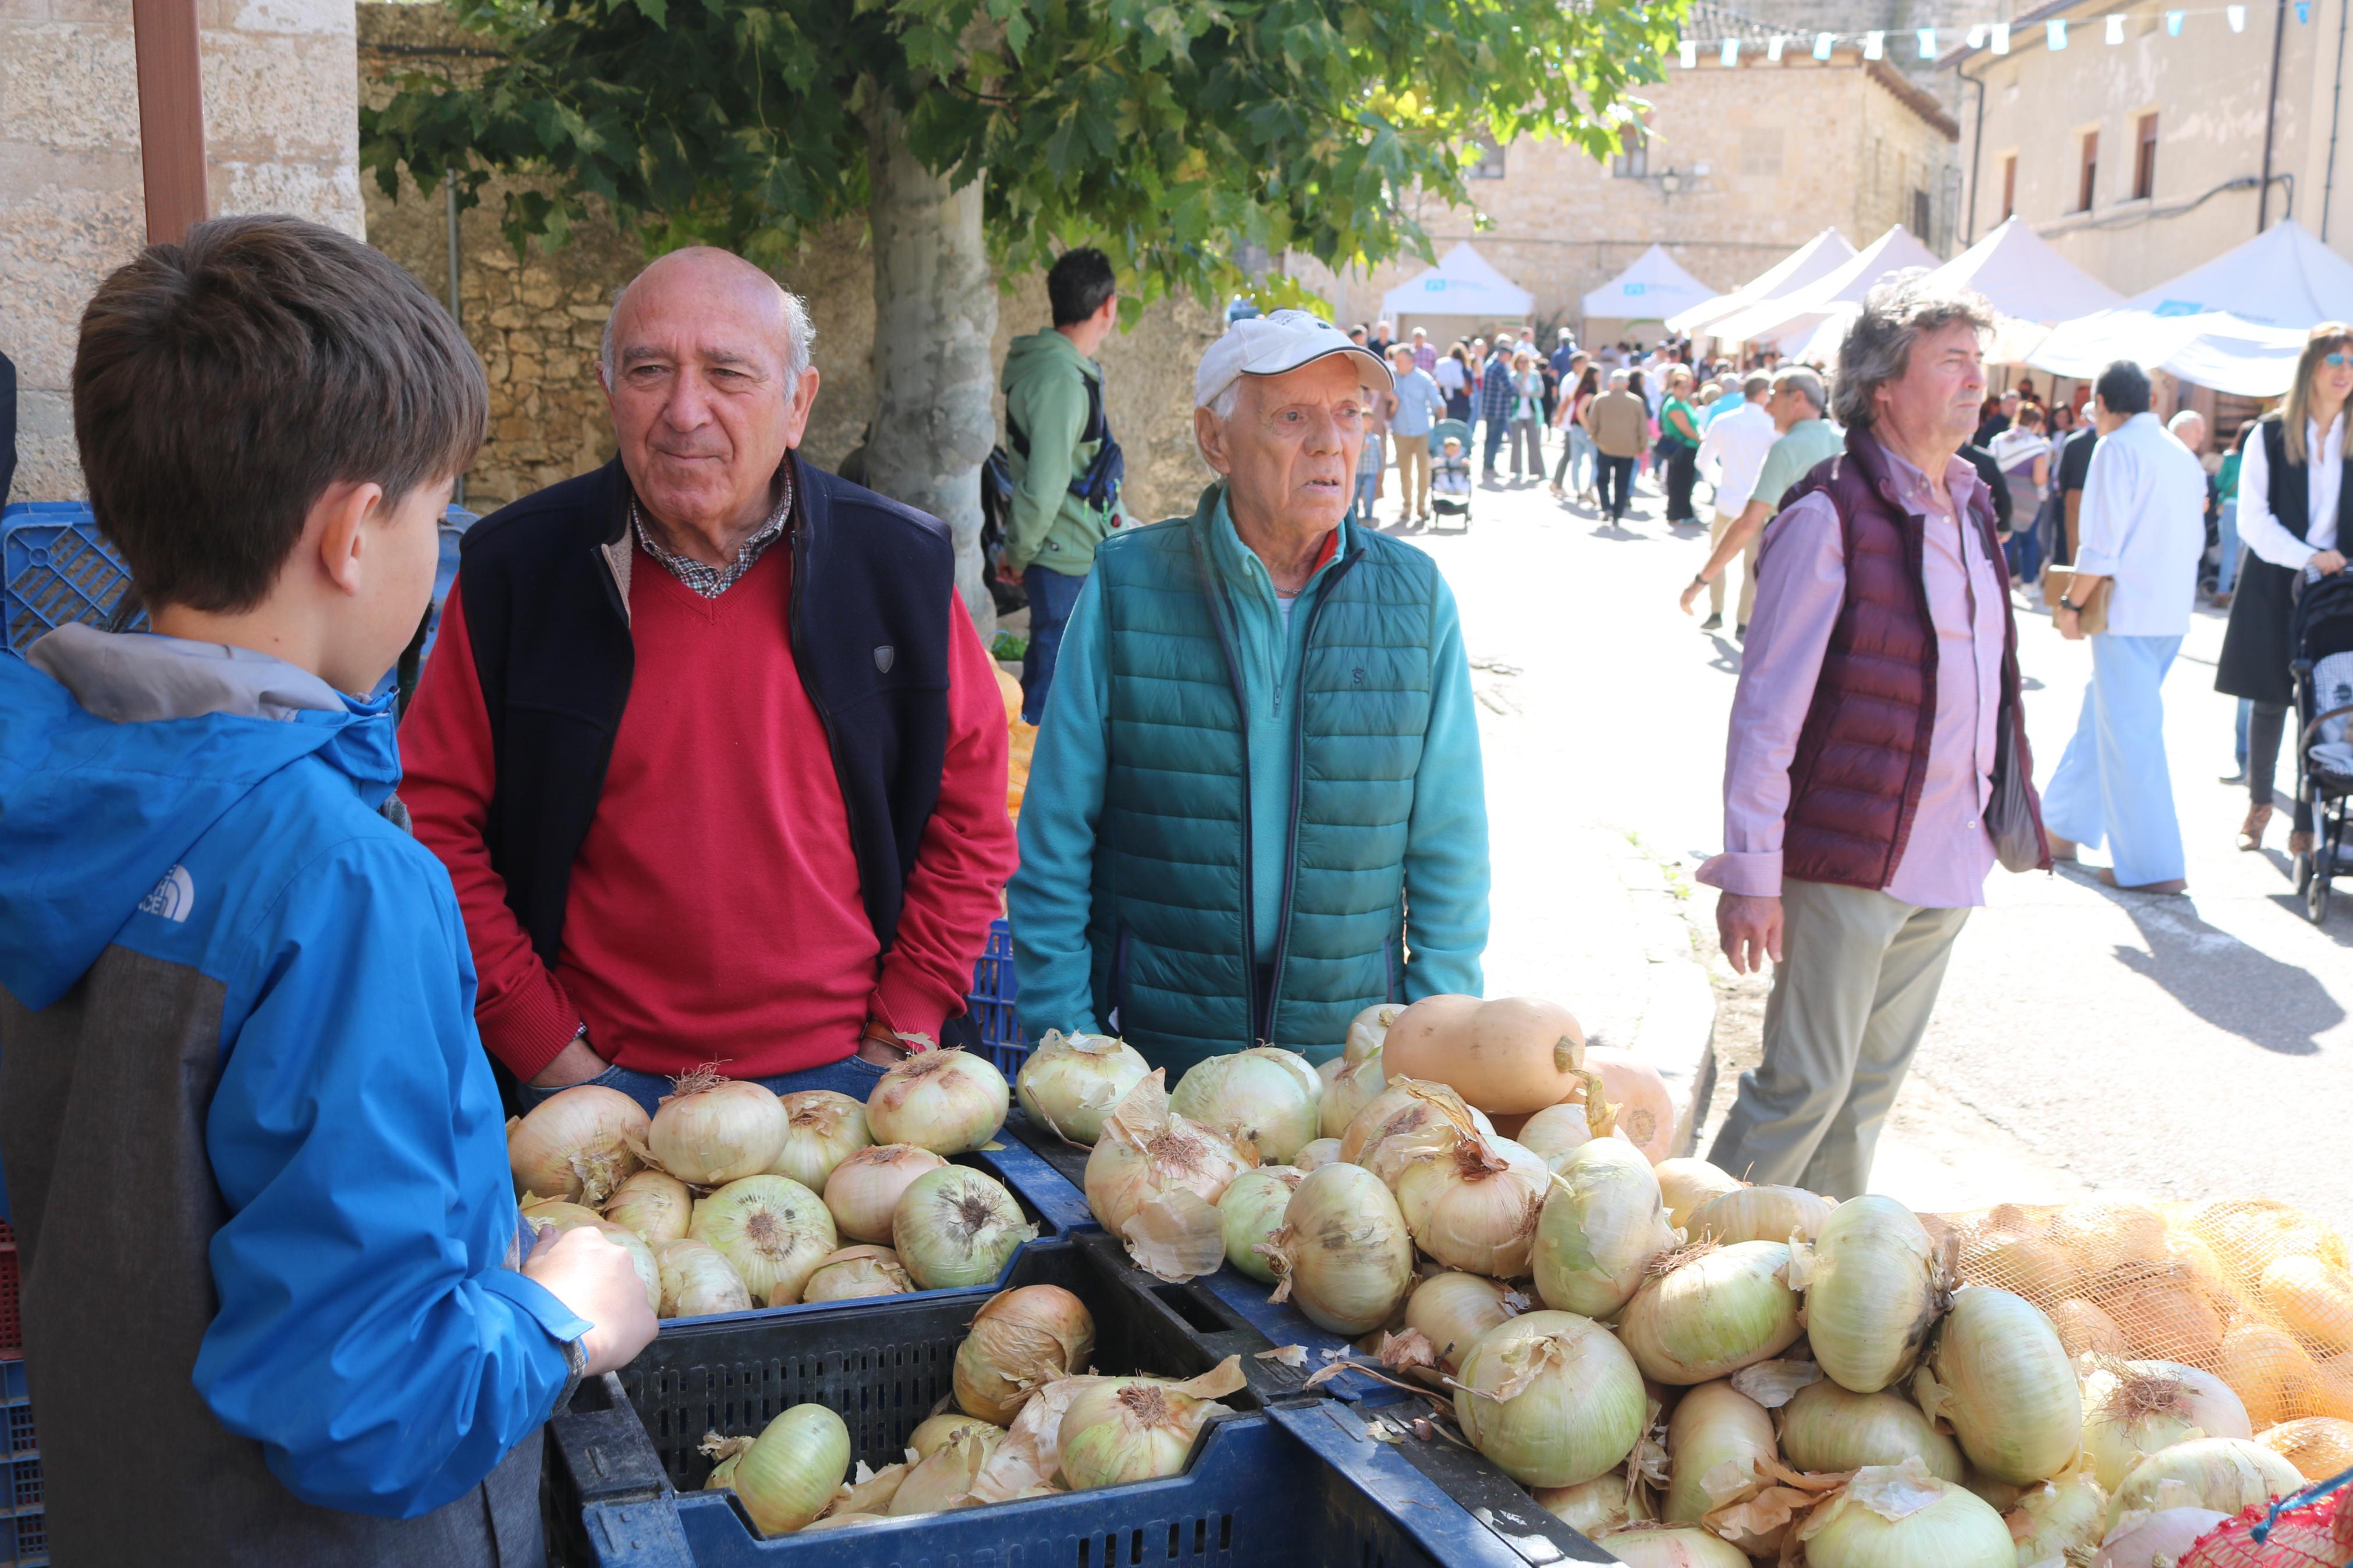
(2339, 358)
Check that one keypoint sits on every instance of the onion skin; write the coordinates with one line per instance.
(707, 1137)
(1714, 1424)
(1344, 1254)
(1147, 1151)
(1071, 1082)
(1452, 1310)
(1759, 1214)
(1602, 1222)
(1825, 1427)
(576, 1142)
(863, 1192)
(1681, 1325)
(957, 1227)
(1873, 1296)
(1250, 1210)
(1020, 1341)
(1511, 1053)
(1552, 1399)
(949, 1102)
(2225, 1474)
(1686, 1183)
(1997, 1373)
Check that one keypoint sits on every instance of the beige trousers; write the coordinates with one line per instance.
(1850, 1003)
(1715, 532)
(1413, 474)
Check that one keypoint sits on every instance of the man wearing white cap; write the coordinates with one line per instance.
(1256, 806)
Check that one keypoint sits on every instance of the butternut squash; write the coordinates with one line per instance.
(1509, 1056)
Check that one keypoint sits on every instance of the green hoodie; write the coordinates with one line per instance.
(1044, 396)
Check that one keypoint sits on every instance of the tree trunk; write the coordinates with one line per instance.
(935, 317)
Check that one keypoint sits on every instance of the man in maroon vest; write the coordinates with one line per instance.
(1880, 670)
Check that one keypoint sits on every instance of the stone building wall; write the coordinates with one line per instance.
(281, 135)
(1764, 155)
(536, 319)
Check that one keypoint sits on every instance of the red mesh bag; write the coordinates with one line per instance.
(2314, 1532)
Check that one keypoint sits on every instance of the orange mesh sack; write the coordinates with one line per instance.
(2257, 1293)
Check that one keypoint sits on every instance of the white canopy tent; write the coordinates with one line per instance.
(1794, 271)
(1793, 321)
(2235, 324)
(1463, 283)
(1651, 289)
(2031, 286)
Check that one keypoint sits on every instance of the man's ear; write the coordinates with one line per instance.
(334, 534)
(797, 416)
(1210, 435)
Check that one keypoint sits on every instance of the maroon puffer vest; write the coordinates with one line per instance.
(1863, 756)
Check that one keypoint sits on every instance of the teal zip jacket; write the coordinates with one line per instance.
(1148, 869)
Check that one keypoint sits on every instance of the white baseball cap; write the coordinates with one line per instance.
(1272, 344)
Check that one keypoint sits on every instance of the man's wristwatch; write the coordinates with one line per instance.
(2070, 605)
(1699, 580)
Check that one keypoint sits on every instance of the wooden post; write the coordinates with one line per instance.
(171, 116)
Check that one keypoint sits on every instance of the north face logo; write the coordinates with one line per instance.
(172, 897)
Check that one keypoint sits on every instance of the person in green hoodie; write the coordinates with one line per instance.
(1257, 805)
(1066, 466)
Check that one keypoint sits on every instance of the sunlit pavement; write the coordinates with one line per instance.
(2186, 1046)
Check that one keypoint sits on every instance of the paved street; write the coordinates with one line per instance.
(2186, 1047)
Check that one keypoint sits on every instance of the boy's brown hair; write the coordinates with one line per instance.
(222, 383)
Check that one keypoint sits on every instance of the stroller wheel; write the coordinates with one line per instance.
(2316, 897)
(2301, 866)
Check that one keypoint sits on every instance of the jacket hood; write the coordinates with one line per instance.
(118, 751)
(1029, 354)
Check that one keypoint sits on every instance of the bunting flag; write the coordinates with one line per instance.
(1997, 36)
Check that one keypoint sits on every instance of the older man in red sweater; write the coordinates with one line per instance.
(712, 751)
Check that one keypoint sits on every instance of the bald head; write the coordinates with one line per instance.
(702, 277)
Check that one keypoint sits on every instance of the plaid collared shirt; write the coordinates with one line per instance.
(706, 579)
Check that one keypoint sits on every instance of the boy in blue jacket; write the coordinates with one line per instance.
(277, 1303)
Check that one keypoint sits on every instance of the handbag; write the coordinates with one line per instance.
(2093, 613)
(2010, 814)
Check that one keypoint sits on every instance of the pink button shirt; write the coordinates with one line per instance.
(1801, 586)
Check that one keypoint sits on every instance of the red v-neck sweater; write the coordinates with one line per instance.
(713, 911)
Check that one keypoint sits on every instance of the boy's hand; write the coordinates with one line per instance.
(596, 1279)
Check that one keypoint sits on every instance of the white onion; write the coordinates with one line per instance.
(1715, 1424)
(1267, 1096)
(1344, 1254)
(1124, 1430)
(1407, 1115)
(1997, 1374)
(2132, 1409)
(1249, 1212)
(1687, 1181)
(1551, 1399)
(1348, 1087)
(696, 1280)
(1759, 1214)
(864, 1190)
(957, 1227)
(576, 1144)
(1648, 1546)
(2158, 1540)
(1602, 1224)
(1825, 1427)
(949, 1102)
(932, 1436)
(1706, 1312)
(1874, 1294)
(1321, 1151)
(557, 1216)
(1452, 1310)
(1896, 1516)
(1153, 1177)
(1556, 1131)
(1470, 1206)
(1071, 1082)
(788, 1475)
(1020, 1341)
(855, 1273)
(773, 1230)
(653, 1204)
(715, 1129)
(2059, 1520)
(1591, 1507)
(2222, 1473)
(1368, 1030)
(821, 1129)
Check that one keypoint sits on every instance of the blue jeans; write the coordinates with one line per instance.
(1495, 429)
(1616, 485)
(853, 1076)
(2111, 783)
(2025, 552)
(1052, 597)
(2226, 566)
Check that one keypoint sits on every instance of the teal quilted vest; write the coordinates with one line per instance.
(1171, 925)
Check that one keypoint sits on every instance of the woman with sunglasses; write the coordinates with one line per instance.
(2296, 513)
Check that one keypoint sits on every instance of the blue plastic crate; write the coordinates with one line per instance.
(56, 567)
(24, 1540)
(991, 1002)
(23, 1528)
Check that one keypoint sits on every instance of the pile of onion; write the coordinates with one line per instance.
(948, 1101)
(1997, 1374)
(1602, 1223)
(715, 1129)
(1267, 1096)
(855, 1273)
(655, 1204)
(1249, 1212)
(1154, 1177)
(1071, 1082)
(1022, 1340)
(1706, 1312)
(1873, 1293)
(957, 1227)
(1344, 1254)
(1473, 1204)
(1826, 1428)
(1551, 1398)
(577, 1145)
(863, 1192)
(822, 1129)
(772, 1230)
(696, 1280)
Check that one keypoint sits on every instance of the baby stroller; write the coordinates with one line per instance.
(1455, 504)
(2320, 639)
